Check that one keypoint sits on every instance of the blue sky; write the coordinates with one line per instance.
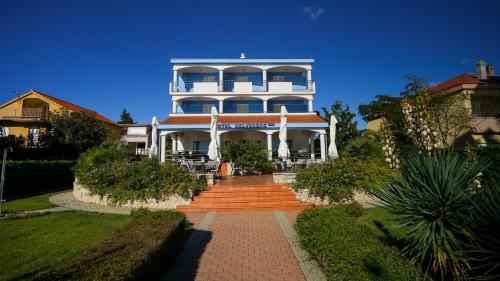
(110, 55)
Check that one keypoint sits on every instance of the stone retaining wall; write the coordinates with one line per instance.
(303, 195)
(82, 194)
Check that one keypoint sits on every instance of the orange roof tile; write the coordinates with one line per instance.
(182, 120)
(76, 108)
(467, 78)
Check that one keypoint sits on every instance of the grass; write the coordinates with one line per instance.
(352, 247)
(34, 245)
(35, 202)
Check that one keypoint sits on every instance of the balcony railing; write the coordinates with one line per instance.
(250, 86)
(27, 113)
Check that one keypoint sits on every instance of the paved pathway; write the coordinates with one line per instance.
(243, 246)
(230, 245)
(68, 201)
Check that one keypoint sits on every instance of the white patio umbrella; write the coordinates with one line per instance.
(283, 151)
(213, 148)
(153, 150)
(332, 148)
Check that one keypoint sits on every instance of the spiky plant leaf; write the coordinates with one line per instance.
(432, 200)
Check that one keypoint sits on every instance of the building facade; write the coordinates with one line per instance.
(248, 94)
(138, 137)
(27, 114)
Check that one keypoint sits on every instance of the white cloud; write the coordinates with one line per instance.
(313, 13)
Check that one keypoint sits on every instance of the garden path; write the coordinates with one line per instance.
(258, 245)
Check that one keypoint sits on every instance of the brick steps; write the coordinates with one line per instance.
(245, 198)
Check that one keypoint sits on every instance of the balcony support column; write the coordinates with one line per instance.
(163, 145)
(264, 106)
(221, 80)
(310, 105)
(269, 145)
(221, 106)
(309, 79)
(311, 145)
(322, 140)
(174, 106)
(174, 143)
(264, 79)
(174, 83)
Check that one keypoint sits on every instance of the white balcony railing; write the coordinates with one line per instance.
(243, 87)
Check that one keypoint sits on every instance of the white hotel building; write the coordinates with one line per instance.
(248, 94)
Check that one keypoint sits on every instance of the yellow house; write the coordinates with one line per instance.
(28, 113)
(479, 94)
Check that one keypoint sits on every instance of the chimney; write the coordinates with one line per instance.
(242, 56)
(490, 70)
(481, 70)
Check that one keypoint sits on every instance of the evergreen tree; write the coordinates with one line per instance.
(126, 118)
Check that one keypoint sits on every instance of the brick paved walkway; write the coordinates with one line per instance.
(239, 246)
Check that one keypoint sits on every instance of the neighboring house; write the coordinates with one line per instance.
(28, 113)
(481, 98)
(137, 136)
(248, 94)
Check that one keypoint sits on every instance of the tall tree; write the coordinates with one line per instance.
(126, 118)
(78, 129)
(346, 126)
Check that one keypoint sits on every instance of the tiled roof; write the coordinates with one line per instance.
(467, 78)
(76, 108)
(233, 119)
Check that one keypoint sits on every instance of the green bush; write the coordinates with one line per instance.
(338, 179)
(140, 251)
(23, 178)
(433, 198)
(250, 157)
(490, 153)
(363, 148)
(349, 250)
(332, 180)
(109, 170)
(483, 249)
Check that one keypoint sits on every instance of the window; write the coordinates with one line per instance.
(241, 78)
(34, 135)
(209, 79)
(277, 107)
(201, 146)
(207, 108)
(242, 108)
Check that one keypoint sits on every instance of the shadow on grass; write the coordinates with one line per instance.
(388, 238)
(185, 265)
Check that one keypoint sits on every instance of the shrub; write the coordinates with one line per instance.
(337, 179)
(249, 156)
(30, 177)
(332, 180)
(363, 148)
(349, 250)
(492, 154)
(484, 246)
(109, 170)
(140, 251)
(432, 197)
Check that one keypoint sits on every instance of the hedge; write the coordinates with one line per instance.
(37, 176)
(140, 251)
(349, 250)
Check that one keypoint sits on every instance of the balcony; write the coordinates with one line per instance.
(256, 86)
(31, 114)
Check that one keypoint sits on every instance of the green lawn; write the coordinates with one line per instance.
(33, 245)
(36, 202)
(381, 222)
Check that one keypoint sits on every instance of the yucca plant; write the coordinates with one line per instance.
(484, 253)
(432, 200)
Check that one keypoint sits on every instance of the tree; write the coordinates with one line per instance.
(126, 118)
(77, 129)
(346, 127)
